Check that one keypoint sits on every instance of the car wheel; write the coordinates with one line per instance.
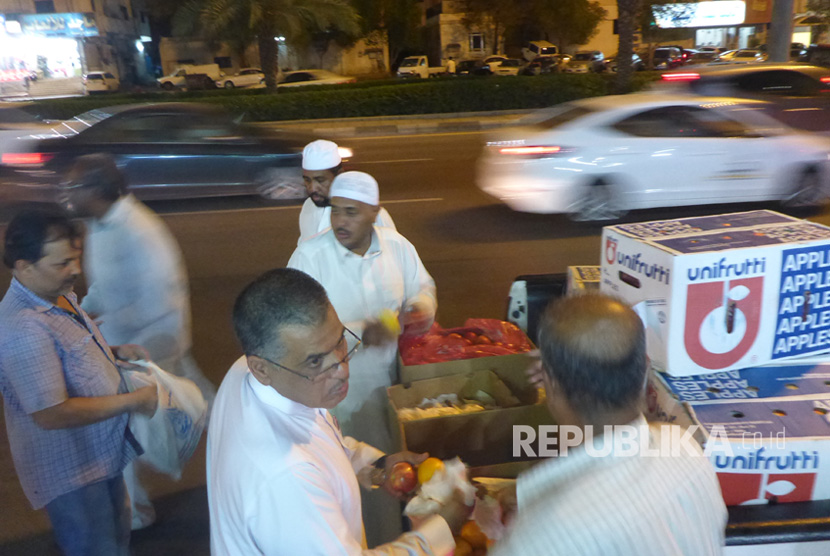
(167, 86)
(229, 85)
(281, 183)
(808, 190)
(598, 201)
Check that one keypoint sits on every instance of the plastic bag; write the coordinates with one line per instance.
(440, 488)
(171, 435)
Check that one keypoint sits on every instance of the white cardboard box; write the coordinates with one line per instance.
(770, 447)
(723, 292)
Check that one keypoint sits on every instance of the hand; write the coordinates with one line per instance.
(130, 352)
(376, 334)
(535, 373)
(455, 512)
(147, 400)
(416, 319)
(509, 502)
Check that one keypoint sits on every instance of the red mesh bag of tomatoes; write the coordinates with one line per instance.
(478, 338)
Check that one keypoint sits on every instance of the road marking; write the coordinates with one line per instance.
(292, 207)
(399, 160)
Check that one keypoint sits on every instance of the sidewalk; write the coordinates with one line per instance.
(401, 125)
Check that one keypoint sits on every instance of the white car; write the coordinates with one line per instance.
(301, 78)
(100, 82)
(246, 77)
(595, 159)
(510, 66)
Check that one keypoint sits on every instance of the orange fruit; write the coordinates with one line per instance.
(462, 548)
(428, 468)
(471, 533)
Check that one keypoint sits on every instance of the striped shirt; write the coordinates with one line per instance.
(46, 357)
(578, 505)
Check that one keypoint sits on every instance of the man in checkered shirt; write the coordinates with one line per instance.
(66, 405)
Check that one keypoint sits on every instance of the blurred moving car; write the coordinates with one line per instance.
(798, 94)
(596, 158)
(246, 77)
(19, 126)
(586, 61)
(666, 57)
(637, 63)
(510, 66)
(100, 82)
(301, 78)
(166, 150)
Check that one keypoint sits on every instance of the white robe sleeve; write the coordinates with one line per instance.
(419, 285)
(311, 522)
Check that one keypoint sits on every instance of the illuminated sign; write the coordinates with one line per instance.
(57, 25)
(702, 14)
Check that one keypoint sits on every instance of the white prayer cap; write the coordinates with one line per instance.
(321, 155)
(358, 186)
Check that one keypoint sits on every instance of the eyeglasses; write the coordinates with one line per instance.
(323, 373)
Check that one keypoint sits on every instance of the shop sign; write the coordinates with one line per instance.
(59, 25)
(701, 14)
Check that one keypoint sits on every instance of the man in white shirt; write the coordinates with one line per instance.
(368, 270)
(589, 501)
(321, 164)
(138, 288)
(282, 479)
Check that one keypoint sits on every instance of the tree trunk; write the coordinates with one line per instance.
(268, 57)
(627, 11)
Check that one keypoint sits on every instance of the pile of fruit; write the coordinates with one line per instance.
(477, 338)
(472, 541)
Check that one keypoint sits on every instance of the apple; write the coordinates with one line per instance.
(402, 477)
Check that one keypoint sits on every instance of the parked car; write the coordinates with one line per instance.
(510, 66)
(100, 82)
(246, 77)
(798, 94)
(542, 64)
(637, 63)
(535, 49)
(818, 55)
(586, 61)
(716, 49)
(179, 79)
(702, 57)
(418, 67)
(725, 56)
(469, 67)
(596, 158)
(301, 78)
(748, 56)
(165, 150)
(667, 57)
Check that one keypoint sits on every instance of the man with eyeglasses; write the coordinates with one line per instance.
(368, 270)
(282, 479)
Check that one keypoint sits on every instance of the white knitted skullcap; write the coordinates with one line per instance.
(358, 186)
(320, 155)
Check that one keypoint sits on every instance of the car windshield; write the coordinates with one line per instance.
(745, 54)
(661, 54)
(510, 63)
(547, 50)
(409, 62)
(583, 56)
(552, 118)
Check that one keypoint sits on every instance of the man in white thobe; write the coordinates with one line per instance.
(282, 479)
(366, 270)
(321, 164)
(138, 289)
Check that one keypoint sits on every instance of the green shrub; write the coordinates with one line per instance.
(373, 98)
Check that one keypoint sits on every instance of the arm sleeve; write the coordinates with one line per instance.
(360, 454)
(420, 287)
(33, 368)
(313, 524)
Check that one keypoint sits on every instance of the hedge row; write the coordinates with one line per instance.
(381, 98)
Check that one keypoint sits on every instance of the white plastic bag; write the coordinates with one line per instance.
(171, 435)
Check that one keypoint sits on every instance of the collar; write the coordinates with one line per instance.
(118, 211)
(39, 304)
(269, 396)
(373, 251)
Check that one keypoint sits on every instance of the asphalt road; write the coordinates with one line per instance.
(473, 247)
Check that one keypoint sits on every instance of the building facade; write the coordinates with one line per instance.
(67, 38)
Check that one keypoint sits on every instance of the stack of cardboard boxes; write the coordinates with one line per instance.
(732, 304)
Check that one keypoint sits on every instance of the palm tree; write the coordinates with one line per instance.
(263, 21)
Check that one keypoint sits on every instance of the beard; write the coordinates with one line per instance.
(319, 200)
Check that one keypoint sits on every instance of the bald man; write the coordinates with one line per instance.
(587, 501)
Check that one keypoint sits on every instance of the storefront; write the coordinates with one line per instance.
(44, 46)
(724, 23)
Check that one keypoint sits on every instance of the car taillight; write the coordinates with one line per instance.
(25, 159)
(685, 76)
